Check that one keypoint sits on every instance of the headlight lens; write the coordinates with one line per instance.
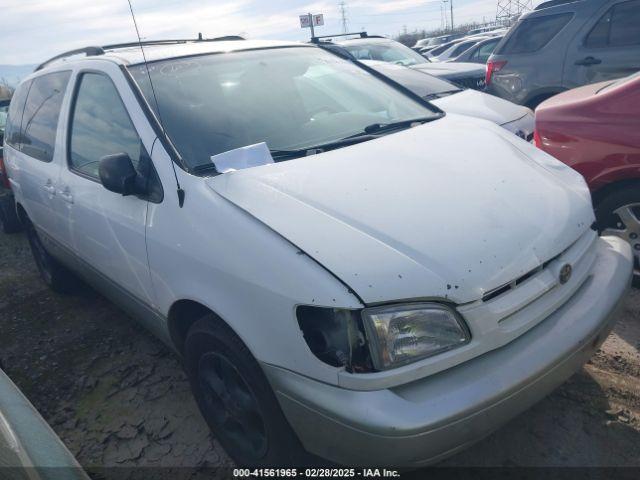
(403, 334)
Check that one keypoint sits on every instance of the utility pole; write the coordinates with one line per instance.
(313, 32)
(343, 13)
(451, 6)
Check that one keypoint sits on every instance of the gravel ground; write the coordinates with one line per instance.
(118, 397)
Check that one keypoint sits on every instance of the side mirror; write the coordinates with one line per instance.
(118, 174)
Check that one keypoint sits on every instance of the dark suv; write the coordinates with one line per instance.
(564, 44)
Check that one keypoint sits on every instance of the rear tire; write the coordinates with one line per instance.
(9, 221)
(618, 214)
(54, 275)
(236, 399)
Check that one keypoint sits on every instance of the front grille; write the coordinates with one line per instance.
(476, 83)
(496, 292)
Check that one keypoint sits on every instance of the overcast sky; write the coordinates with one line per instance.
(33, 31)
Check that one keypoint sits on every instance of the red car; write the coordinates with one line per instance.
(596, 130)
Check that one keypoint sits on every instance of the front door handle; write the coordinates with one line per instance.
(587, 61)
(66, 195)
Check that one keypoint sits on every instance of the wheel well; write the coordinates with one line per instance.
(182, 315)
(603, 192)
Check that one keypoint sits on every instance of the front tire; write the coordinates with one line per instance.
(618, 214)
(236, 399)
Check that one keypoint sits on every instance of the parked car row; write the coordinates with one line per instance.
(297, 226)
(365, 47)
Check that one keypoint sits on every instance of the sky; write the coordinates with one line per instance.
(33, 31)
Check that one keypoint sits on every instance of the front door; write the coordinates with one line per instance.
(608, 47)
(106, 230)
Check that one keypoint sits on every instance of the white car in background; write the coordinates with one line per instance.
(454, 99)
(345, 268)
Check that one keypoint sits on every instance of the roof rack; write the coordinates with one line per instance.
(554, 3)
(96, 51)
(361, 34)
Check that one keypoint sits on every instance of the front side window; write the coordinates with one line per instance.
(532, 34)
(619, 27)
(41, 114)
(290, 98)
(464, 46)
(392, 52)
(100, 126)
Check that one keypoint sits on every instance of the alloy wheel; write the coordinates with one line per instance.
(626, 224)
(231, 404)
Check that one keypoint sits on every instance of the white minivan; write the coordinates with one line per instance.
(345, 269)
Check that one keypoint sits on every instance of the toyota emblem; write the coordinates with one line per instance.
(565, 273)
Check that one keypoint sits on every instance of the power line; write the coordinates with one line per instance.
(343, 13)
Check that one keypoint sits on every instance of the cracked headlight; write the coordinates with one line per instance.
(403, 334)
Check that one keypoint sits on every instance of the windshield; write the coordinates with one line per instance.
(290, 98)
(391, 52)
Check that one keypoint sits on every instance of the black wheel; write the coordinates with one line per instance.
(236, 399)
(57, 277)
(9, 221)
(618, 214)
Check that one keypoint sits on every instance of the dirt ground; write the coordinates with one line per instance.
(118, 397)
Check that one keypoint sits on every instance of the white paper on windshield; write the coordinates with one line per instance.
(243, 157)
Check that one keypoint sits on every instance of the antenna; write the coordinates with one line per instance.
(180, 191)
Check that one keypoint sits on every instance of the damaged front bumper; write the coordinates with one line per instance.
(431, 418)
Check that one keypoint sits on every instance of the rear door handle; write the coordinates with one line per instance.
(50, 189)
(589, 61)
(65, 194)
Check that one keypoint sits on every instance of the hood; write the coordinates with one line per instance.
(452, 69)
(481, 105)
(450, 209)
(574, 96)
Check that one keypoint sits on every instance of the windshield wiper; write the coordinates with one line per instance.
(325, 147)
(434, 96)
(377, 128)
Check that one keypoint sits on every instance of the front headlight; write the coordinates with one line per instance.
(406, 333)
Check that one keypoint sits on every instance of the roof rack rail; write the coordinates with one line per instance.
(95, 51)
(362, 35)
(88, 51)
(176, 41)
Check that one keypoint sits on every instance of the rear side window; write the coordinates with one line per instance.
(483, 52)
(41, 114)
(100, 126)
(14, 118)
(619, 27)
(532, 34)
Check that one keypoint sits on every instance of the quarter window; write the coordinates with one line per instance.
(14, 118)
(619, 27)
(100, 126)
(532, 34)
(41, 114)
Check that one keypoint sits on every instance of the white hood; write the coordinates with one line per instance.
(481, 105)
(451, 209)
